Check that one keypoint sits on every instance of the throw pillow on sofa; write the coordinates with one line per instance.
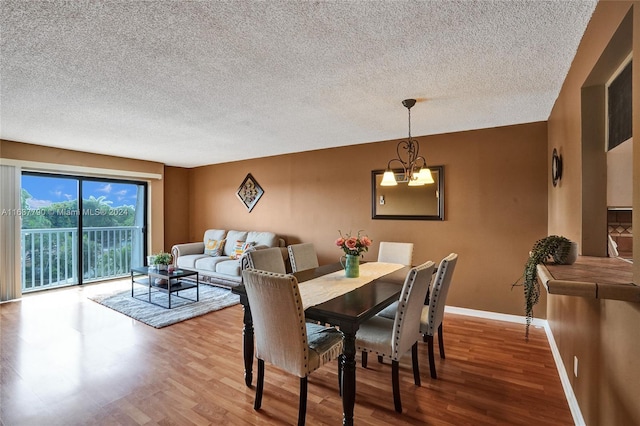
(240, 248)
(232, 237)
(214, 247)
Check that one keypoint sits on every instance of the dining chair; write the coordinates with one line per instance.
(433, 311)
(282, 336)
(302, 256)
(391, 252)
(268, 259)
(432, 316)
(393, 338)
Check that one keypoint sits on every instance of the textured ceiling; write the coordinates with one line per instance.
(199, 82)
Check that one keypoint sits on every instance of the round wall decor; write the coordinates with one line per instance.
(556, 167)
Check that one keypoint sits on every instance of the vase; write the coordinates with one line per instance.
(351, 265)
(573, 254)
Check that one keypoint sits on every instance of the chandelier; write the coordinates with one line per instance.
(414, 166)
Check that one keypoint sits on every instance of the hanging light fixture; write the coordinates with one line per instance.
(414, 166)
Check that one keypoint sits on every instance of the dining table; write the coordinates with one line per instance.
(331, 298)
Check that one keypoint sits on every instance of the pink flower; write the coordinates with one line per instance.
(354, 246)
(351, 243)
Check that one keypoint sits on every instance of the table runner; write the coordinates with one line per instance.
(327, 287)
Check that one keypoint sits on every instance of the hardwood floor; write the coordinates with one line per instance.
(66, 360)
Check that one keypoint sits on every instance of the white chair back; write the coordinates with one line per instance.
(302, 256)
(268, 259)
(390, 252)
(439, 292)
(278, 320)
(406, 327)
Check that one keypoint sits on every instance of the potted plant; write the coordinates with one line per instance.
(162, 260)
(553, 248)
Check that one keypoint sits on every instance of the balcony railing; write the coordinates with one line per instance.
(50, 256)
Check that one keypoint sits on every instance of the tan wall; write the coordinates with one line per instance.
(64, 161)
(604, 335)
(495, 205)
(176, 206)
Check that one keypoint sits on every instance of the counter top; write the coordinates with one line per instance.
(593, 277)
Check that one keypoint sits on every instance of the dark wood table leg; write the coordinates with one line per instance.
(247, 344)
(348, 376)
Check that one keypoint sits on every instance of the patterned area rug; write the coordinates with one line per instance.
(211, 299)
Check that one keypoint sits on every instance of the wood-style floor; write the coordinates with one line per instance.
(66, 360)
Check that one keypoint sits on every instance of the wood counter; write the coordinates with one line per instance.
(593, 277)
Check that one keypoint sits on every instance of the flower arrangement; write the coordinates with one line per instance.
(354, 246)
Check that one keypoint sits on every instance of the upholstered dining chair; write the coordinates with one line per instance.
(433, 311)
(432, 316)
(393, 338)
(282, 336)
(302, 256)
(268, 259)
(395, 253)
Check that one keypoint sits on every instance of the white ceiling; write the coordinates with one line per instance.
(205, 82)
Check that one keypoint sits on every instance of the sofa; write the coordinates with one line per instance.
(218, 257)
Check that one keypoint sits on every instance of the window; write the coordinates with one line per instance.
(79, 229)
(619, 106)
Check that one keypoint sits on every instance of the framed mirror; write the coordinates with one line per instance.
(403, 202)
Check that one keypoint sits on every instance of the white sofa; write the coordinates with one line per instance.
(223, 269)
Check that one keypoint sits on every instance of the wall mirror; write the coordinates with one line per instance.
(403, 202)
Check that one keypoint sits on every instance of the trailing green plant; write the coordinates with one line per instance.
(162, 258)
(549, 248)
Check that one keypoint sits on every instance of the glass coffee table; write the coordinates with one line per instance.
(164, 282)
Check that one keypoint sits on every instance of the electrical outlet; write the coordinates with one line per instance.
(575, 366)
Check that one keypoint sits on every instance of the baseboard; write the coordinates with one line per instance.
(564, 379)
(562, 372)
(493, 316)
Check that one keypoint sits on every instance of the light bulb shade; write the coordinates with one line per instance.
(388, 179)
(424, 177)
(414, 180)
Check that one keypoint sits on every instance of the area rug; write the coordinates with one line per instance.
(211, 299)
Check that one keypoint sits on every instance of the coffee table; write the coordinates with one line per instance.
(172, 282)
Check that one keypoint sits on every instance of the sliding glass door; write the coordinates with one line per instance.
(80, 229)
(49, 231)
